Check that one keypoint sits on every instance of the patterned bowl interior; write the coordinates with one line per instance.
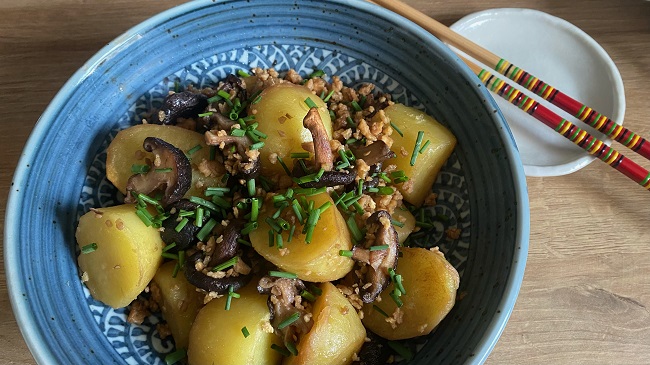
(481, 188)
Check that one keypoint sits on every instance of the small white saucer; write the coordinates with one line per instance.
(561, 55)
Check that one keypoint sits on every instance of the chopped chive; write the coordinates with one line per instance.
(396, 129)
(198, 218)
(395, 294)
(231, 292)
(278, 240)
(291, 231)
(360, 187)
(186, 213)
(354, 229)
(416, 148)
(299, 155)
(398, 283)
(283, 223)
(206, 114)
(147, 199)
(203, 202)
(256, 146)
(373, 190)
(332, 115)
(169, 247)
(399, 180)
(245, 332)
(273, 224)
(424, 224)
(224, 94)
(317, 73)
(213, 153)
(207, 228)
(175, 357)
(243, 73)
(255, 207)
(362, 100)
(237, 132)
(329, 95)
(145, 216)
(139, 169)
(283, 274)
(177, 268)
(249, 227)
(284, 166)
(271, 237)
(226, 264)
(424, 146)
(292, 348)
(307, 295)
(385, 190)
(350, 122)
(216, 191)
(316, 290)
(259, 134)
(397, 223)
(324, 207)
(181, 224)
(346, 253)
(214, 99)
(194, 149)
(398, 173)
(310, 103)
(281, 350)
(164, 169)
(257, 99)
(401, 350)
(356, 106)
(297, 210)
(378, 248)
(177, 86)
(381, 311)
(251, 187)
(91, 247)
(243, 242)
(168, 255)
(351, 141)
(289, 321)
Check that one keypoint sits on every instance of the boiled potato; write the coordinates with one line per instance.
(279, 113)
(430, 283)
(422, 176)
(402, 214)
(216, 337)
(337, 333)
(317, 261)
(180, 302)
(127, 256)
(126, 150)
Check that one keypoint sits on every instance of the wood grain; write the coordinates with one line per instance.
(585, 298)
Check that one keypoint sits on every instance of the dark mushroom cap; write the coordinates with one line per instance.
(282, 295)
(228, 247)
(186, 237)
(249, 168)
(329, 178)
(380, 232)
(184, 104)
(209, 283)
(373, 352)
(173, 183)
(374, 153)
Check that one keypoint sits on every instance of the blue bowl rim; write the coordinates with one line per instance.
(25, 321)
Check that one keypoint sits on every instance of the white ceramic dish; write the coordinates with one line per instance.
(563, 56)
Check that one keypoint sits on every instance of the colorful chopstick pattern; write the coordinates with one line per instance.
(584, 113)
(569, 130)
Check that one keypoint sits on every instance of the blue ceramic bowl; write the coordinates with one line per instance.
(61, 174)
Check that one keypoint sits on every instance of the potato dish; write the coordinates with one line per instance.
(267, 218)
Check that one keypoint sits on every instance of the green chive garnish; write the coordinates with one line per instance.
(310, 103)
(224, 94)
(307, 295)
(237, 132)
(289, 321)
(284, 166)
(175, 356)
(281, 350)
(249, 227)
(169, 247)
(396, 129)
(256, 146)
(346, 253)
(245, 332)
(424, 146)
(207, 228)
(416, 148)
(214, 99)
(378, 248)
(385, 190)
(226, 264)
(242, 73)
(91, 247)
(255, 207)
(181, 224)
(329, 95)
(299, 155)
(381, 311)
(395, 294)
(396, 223)
(203, 202)
(292, 348)
(283, 274)
(317, 73)
(168, 255)
(206, 114)
(231, 292)
(139, 169)
(354, 229)
(194, 149)
(251, 187)
(356, 106)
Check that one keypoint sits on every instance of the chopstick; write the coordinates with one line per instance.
(567, 129)
(581, 111)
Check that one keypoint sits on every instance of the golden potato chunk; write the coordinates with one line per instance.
(180, 302)
(126, 257)
(405, 217)
(217, 336)
(430, 282)
(280, 113)
(317, 261)
(337, 333)
(428, 163)
(126, 150)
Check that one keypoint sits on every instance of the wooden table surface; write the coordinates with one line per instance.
(585, 298)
